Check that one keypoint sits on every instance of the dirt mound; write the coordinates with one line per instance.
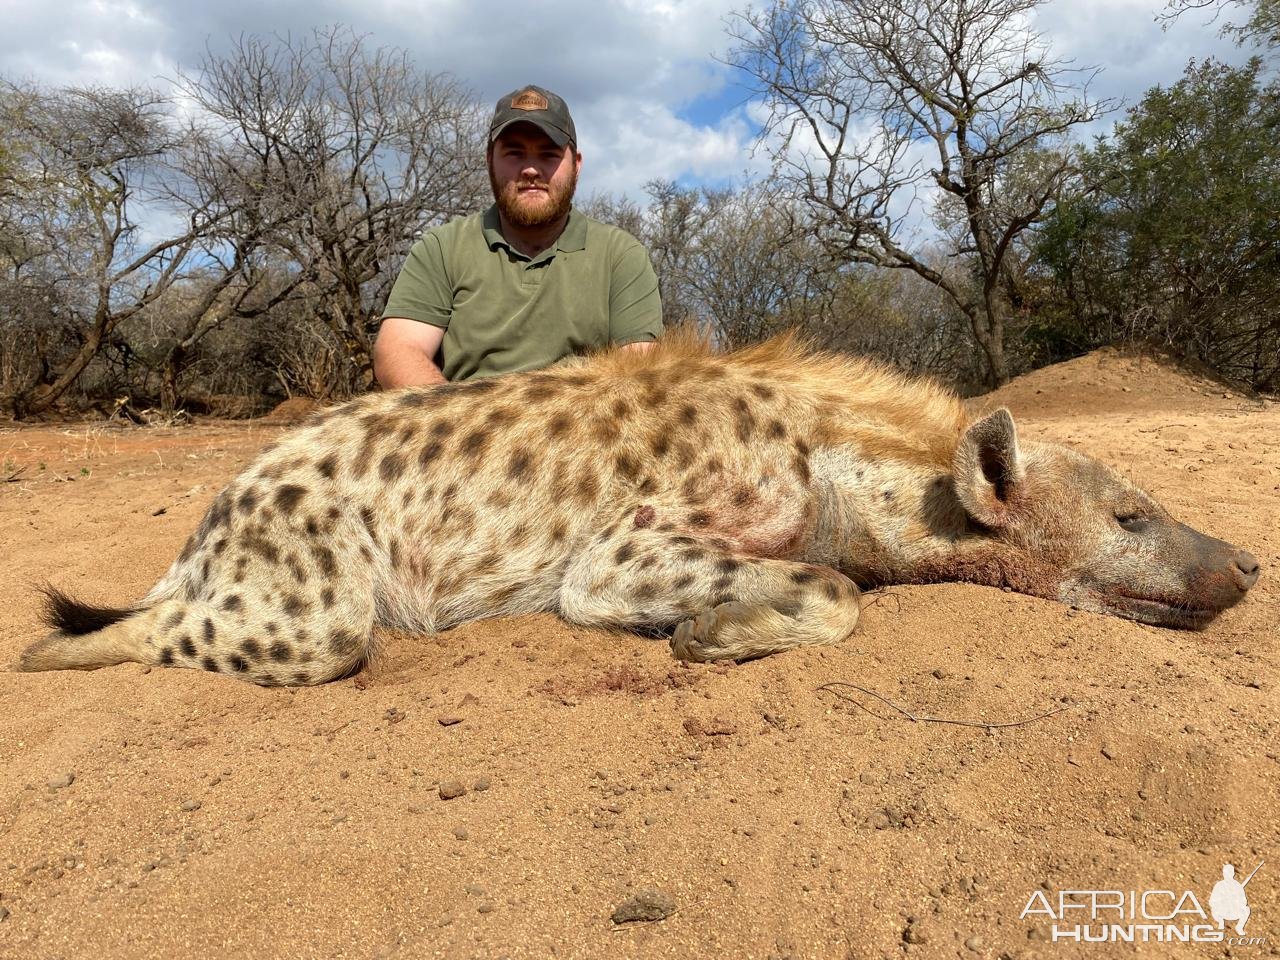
(293, 410)
(1111, 381)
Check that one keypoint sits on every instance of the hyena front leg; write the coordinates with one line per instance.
(724, 604)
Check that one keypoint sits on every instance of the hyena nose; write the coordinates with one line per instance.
(1245, 567)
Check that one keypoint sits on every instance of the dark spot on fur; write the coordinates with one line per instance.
(248, 500)
(645, 516)
(326, 597)
(294, 605)
(166, 656)
(803, 576)
(232, 603)
(558, 424)
(559, 532)
(302, 678)
(325, 559)
(588, 487)
(174, 620)
(280, 652)
(474, 443)
(428, 454)
(775, 430)
(728, 565)
(391, 467)
(700, 519)
(742, 495)
(537, 392)
(763, 391)
(187, 646)
(344, 643)
(682, 581)
(237, 663)
(659, 445)
(626, 466)
(288, 497)
(413, 398)
(722, 583)
(624, 553)
(262, 547)
(831, 590)
(251, 649)
(210, 664)
(645, 589)
(208, 630)
(518, 466)
(366, 517)
(271, 628)
(688, 415)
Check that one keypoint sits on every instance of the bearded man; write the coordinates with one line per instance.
(529, 281)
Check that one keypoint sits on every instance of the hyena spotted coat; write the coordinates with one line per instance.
(739, 500)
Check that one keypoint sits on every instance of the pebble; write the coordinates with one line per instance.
(190, 805)
(485, 908)
(451, 789)
(60, 782)
(645, 905)
(461, 833)
(974, 943)
(914, 933)
(4, 912)
(942, 673)
(1108, 751)
(481, 785)
(448, 721)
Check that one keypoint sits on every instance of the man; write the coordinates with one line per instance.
(527, 282)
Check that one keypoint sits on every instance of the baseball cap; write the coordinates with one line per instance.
(542, 108)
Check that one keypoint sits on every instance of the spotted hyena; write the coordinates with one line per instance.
(738, 500)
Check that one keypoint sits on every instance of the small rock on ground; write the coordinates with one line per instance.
(646, 905)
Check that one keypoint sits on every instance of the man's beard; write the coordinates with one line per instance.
(519, 212)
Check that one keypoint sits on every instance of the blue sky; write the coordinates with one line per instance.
(642, 78)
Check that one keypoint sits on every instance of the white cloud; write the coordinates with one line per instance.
(633, 71)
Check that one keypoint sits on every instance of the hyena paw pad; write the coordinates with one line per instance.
(701, 640)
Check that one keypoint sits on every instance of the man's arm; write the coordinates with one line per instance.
(404, 353)
(640, 346)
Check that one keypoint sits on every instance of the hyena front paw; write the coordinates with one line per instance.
(710, 635)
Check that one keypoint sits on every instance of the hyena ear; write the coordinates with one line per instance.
(988, 469)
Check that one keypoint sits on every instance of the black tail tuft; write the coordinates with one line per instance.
(71, 616)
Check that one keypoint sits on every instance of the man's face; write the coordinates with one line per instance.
(533, 179)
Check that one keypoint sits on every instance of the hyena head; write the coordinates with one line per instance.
(1089, 537)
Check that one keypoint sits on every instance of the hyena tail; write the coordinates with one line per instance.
(84, 636)
(164, 630)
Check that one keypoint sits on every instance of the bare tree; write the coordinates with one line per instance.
(86, 165)
(339, 154)
(875, 105)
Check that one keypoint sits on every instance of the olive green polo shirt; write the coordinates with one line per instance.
(503, 311)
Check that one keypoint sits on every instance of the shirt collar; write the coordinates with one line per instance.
(572, 237)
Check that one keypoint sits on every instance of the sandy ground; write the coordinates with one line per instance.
(208, 817)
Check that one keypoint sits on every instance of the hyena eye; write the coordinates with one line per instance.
(1133, 522)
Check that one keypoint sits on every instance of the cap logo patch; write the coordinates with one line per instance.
(529, 100)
